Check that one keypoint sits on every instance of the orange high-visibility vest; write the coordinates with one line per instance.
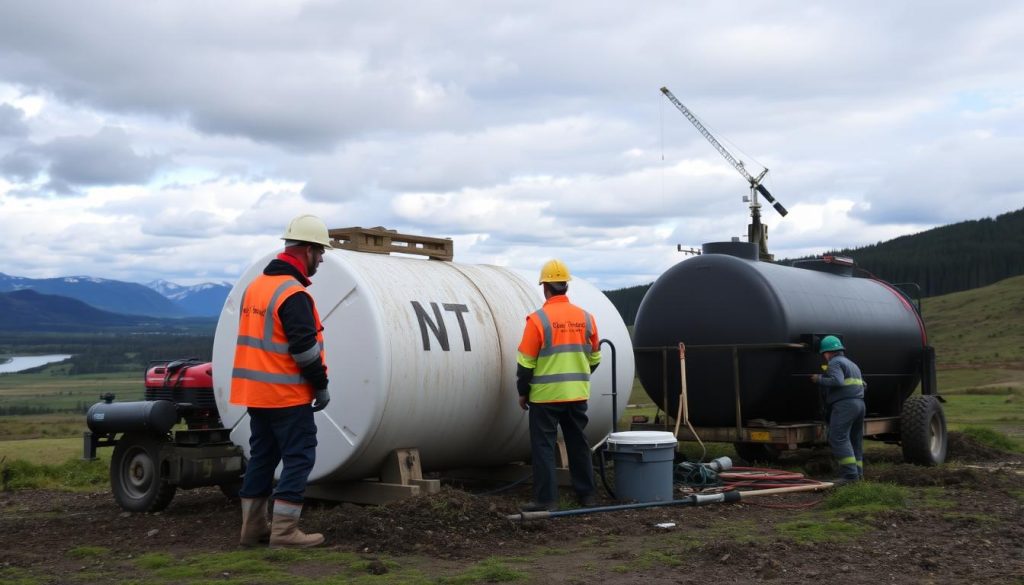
(266, 374)
(560, 343)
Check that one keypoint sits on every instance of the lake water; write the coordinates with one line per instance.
(24, 362)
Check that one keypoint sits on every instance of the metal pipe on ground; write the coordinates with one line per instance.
(694, 500)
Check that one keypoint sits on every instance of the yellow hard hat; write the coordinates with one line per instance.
(554, 271)
(308, 228)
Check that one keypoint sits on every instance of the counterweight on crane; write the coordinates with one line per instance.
(756, 231)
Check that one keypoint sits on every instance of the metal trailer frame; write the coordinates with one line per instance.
(164, 461)
(785, 435)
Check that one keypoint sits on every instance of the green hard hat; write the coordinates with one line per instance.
(830, 343)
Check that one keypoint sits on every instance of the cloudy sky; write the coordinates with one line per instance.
(143, 140)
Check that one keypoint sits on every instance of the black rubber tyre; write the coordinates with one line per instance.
(757, 452)
(923, 431)
(137, 478)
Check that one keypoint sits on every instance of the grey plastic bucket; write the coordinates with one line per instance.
(643, 465)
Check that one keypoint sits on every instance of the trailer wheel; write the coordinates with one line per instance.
(923, 431)
(757, 452)
(137, 477)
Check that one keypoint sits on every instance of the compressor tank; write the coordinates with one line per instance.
(726, 297)
(422, 354)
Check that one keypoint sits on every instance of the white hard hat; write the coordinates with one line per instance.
(308, 228)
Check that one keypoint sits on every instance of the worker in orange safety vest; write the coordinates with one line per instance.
(280, 376)
(559, 350)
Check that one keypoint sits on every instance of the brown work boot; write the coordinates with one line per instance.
(284, 532)
(255, 526)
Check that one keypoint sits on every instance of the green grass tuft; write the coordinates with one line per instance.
(152, 561)
(490, 570)
(811, 531)
(15, 576)
(935, 497)
(867, 496)
(657, 557)
(71, 474)
(991, 438)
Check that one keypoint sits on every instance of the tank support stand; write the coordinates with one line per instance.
(400, 477)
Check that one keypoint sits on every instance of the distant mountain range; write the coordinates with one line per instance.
(30, 310)
(157, 299)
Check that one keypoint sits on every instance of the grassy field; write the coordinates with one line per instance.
(979, 343)
(54, 390)
(981, 327)
(978, 335)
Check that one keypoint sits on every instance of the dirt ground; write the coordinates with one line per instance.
(964, 524)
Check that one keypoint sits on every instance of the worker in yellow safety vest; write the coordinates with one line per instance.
(280, 376)
(559, 350)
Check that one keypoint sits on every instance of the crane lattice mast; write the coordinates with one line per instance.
(756, 232)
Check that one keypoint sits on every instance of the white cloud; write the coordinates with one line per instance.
(194, 130)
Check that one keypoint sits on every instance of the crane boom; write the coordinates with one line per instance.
(738, 165)
(755, 182)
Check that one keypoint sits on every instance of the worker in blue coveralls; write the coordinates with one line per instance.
(843, 391)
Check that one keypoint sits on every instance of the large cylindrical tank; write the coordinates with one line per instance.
(422, 354)
(730, 298)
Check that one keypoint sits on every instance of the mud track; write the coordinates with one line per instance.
(971, 530)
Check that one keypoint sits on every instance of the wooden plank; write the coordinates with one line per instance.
(792, 435)
(380, 240)
(363, 492)
(427, 486)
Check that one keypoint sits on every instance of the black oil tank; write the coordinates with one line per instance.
(729, 299)
(153, 416)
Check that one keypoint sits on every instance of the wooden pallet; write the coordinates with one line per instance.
(380, 240)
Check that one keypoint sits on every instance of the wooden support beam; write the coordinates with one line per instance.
(427, 486)
(400, 477)
(380, 240)
(561, 455)
(362, 492)
(401, 466)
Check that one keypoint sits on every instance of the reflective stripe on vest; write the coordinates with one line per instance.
(853, 382)
(266, 376)
(265, 373)
(562, 373)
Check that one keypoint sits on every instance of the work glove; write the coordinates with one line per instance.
(320, 399)
(524, 403)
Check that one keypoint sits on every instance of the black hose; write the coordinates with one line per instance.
(604, 478)
(507, 487)
(694, 500)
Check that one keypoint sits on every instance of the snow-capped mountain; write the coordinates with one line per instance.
(204, 299)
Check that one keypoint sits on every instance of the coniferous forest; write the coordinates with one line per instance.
(951, 258)
(942, 260)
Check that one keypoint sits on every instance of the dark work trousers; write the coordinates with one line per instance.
(280, 434)
(545, 417)
(846, 436)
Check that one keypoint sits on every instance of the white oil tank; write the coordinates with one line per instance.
(422, 354)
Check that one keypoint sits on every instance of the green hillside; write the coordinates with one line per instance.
(979, 345)
(980, 326)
